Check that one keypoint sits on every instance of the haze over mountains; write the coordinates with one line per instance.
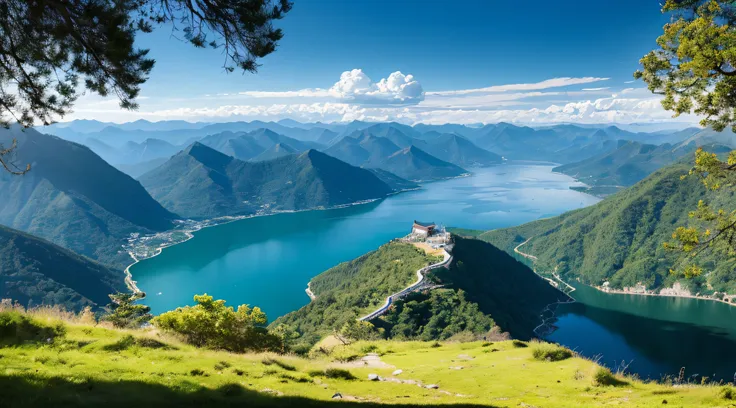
(74, 198)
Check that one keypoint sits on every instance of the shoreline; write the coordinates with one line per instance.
(623, 292)
(311, 295)
(620, 291)
(132, 284)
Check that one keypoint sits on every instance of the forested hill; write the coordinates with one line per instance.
(620, 239)
(629, 163)
(355, 288)
(483, 285)
(36, 272)
(74, 198)
(201, 182)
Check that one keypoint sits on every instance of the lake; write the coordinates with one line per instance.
(268, 261)
(654, 335)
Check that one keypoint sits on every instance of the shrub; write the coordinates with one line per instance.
(279, 363)
(18, 328)
(727, 393)
(336, 373)
(211, 324)
(231, 390)
(124, 313)
(369, 348)
(128, 341)
(123, 344)
(604, 377)
(356, 330)
(550, 352)
(519, 344)
(222, 365)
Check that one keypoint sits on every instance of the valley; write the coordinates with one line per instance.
(255, 212)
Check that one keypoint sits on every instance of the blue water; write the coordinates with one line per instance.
(267, 261)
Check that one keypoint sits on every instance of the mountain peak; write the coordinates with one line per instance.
(206, 155)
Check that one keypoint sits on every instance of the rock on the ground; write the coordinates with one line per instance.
(373, 377)
(432, 386)
(337, 396)
(397, 372)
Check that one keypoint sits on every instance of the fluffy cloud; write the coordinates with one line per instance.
(356, 86)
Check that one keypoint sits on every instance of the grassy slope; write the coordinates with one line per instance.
(88, 367)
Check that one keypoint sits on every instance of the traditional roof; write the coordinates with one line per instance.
(424, 224)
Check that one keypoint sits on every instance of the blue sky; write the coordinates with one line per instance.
(459, 49)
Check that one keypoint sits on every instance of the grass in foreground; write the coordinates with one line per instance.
(86, 365)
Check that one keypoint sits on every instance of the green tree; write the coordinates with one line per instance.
(287, 334)
(695, 64)
(51, 50)
(695, 69)
(211, 324)
(359, 330)
(125, 313)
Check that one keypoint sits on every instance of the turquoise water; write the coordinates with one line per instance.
(267, 261)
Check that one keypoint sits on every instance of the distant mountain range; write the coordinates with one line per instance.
(414, 164)
(132, 153)
(35, 272)
(74, 198)
(632, 161)
(251, 145)
(561, 143)
(625, 166)
(201, 182)
(390, 149)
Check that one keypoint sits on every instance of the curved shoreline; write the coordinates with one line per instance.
(132, 285)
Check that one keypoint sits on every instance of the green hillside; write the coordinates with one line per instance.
(73, 198)
(355, 288)
(620, 239)
(201, 182)
(630, 163)
(482, 285)
(36, 272)
(83, 365)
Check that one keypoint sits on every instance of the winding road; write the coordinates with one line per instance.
(420, 278)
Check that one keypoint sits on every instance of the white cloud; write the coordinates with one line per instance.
(549, 83)
(357, 87)
(399, 97)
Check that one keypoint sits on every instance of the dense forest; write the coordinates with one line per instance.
(620, 239)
